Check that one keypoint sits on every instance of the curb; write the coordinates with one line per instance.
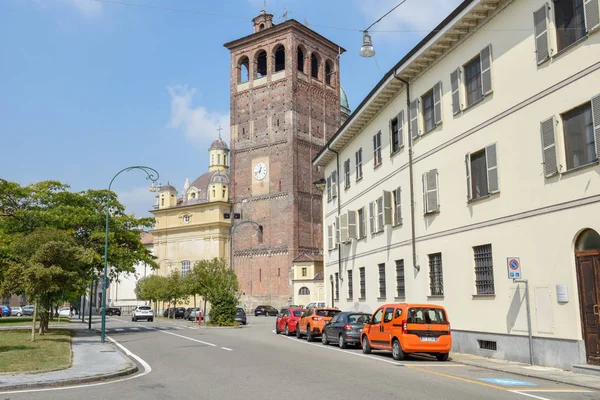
(525, 374)
(222, 327)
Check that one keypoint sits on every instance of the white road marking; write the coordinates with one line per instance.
(226, 348)
(135, 329)
(147, 370)
(119, 329)
(530, 395)
(188, 338)
(117, 319)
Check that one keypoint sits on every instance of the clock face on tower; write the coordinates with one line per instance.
(260, 171)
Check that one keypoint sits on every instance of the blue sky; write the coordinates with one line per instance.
(89, 87)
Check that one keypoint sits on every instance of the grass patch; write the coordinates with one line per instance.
(49, 352)
(26, 321)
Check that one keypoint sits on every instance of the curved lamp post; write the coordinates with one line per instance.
(152, 175)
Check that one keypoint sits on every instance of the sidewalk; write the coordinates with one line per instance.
(92, 361)
(534, 371)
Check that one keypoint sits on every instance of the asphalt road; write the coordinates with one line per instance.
(181, 361)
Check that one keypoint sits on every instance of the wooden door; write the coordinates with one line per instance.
(588, 276)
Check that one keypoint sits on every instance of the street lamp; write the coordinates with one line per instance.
(150, 175)
(367, 49)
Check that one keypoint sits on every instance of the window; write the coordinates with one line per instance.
(334, 186)
(300, 60)
(377, 316)
(389, 314)
(280, 58)
(244, 70)
(580, 146)
(218, 159)
(347, 174)
(330, 237)
(430, 192)
(162, 201)
(363, 284)
(379, 226)
(395, 134)
(350, 288)
(185, 268)
(428, 115)
(436, 277)
(473, 81)
(358, 156)
(279, 272)
(212, 159)
(224, 193)
(328, 72)
(377, 149)
(186, 219)
(261, 64)
(304, 271)
(303, 291)
(328, 184)
(337, 286)
(397, 206)
(484, 269)
(570, 23)
(400, 288)
(225, 159)
(372, 217)
(482, 173)
(193, 195)
(382, 293)
(314, 66)
(362, 223)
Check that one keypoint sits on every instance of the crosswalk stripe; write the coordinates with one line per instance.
(135, 329)
(119, 329)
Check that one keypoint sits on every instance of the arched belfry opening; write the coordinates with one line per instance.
(587, 254)
(329, 73)
(314, 65)
(261, 64)
(300, 57)
(279, 58)
(244, 70)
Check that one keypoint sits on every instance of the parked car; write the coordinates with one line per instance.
(193, 314)
(16, 311)
(344, 329)
(266, 311)
(28, 310)
(240, 316)
(408, 328)
(179, 312)
(6, 311)
(142, 312)
(288, 320)
(64, 312)
(313, 320)
(167, 311)
(113, 311)
(316, 304)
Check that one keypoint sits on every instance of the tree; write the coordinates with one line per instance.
(219, 287)
(152, 288)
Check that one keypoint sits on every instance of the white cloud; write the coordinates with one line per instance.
(415, 15)
(137, 200)
(198, 124)
(86, 7)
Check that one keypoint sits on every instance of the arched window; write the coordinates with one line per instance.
(303, 290)
(244, 66)
(300, 59)
(588, 240)
(185, 268)
(261, 27)
(314, 66)
(280, 58)
(329, 72)
(261, 64)
(193, 195)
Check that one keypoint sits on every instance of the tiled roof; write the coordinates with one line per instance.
(308, 258)
(147, 238)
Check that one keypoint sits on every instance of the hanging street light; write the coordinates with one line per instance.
(367, 49)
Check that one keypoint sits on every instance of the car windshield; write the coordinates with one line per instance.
(327, 313)
(426, 316)
(240, 310)
(270, 308)
(143, 308)
(298, 313)
(358, 318)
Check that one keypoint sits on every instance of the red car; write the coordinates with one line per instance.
(287, 321)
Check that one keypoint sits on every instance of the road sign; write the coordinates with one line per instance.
(514, 267)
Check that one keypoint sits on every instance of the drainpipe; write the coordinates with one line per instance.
(411, 178)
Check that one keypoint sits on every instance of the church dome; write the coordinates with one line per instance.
(218, 144)
(204, 182)
(167, 188)
(344, 105)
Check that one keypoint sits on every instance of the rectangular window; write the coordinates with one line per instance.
(473, 81)
(570, 22)
(362, 223)
(363, 284)
(218, 159)
(377, 149)
(328, 184)
(304, 271)
(394, 131)
(329, 237)
(580, 146)
(430, 192)
(358, 156)
(185, 268)
(379, 226)
(347, 174)
(382, 293)
(479, 183)
(397, 207)
(400, 288)
(350, 289)
(334, 185)
(436, 276)
(279, 272)
(337, 286)
(428, 114)
(482, 173)
(484, 269)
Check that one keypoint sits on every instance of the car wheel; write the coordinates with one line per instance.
(18, 314)
(298, 334)
(366, 347)
(309, 335)
(341, 342)
(151, 320)
(277, 331)
(134, 319)
(397, 352)
(287, 330)
(442, 356)
(324, 338)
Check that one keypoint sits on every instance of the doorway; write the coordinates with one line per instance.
(587, 253)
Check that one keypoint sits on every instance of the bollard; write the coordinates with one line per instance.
(199, 315)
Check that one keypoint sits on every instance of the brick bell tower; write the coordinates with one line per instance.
(285, 105)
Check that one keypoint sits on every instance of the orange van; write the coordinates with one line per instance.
(408, 328)
(313, 320)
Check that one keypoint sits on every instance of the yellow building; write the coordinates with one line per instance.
(192, 227)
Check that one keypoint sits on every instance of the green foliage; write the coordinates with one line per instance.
(152, 288)
(224, 308)
(219, 287)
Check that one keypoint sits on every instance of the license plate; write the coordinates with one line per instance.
(428, 339)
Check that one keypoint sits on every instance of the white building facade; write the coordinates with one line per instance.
(504, 118)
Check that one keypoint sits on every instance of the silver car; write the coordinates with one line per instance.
(18, 311)
(142, 312)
